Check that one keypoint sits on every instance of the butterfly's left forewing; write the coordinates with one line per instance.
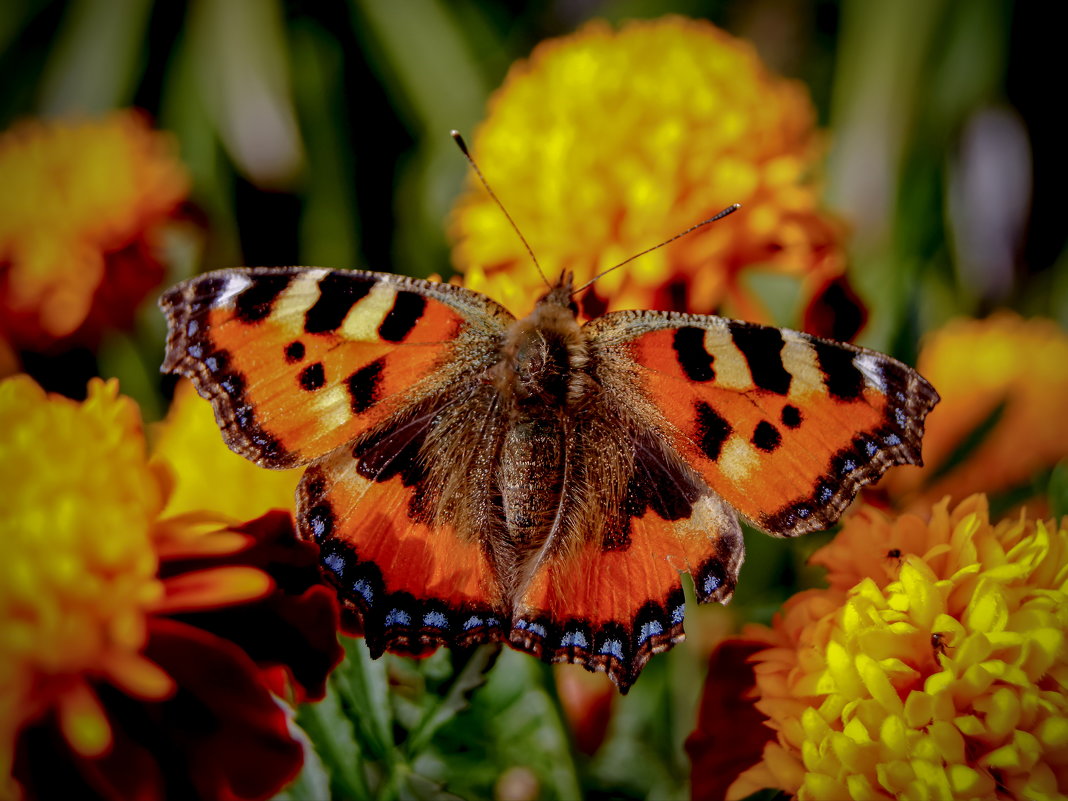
(298, 362)
(784, 426)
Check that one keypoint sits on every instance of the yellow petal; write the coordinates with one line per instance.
(83, 721)
(1053, 733)
(893, 736)
(949, 741)
(918, 709)
(988, 611)
(820, 787)
(878, 684)
(966, 782)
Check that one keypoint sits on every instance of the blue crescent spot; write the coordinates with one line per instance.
(435, 620)
(679, 612)
(397, 617)
(892, 440)
(472, 622)
(870, 448)
(901, 418)
(650, 629)
(574, 639)
(711, 583)
(612, 648)
(335, 562)
(364, 589)
(532, 627)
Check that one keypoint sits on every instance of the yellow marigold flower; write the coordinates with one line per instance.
(979, 366)
(604, 143)
(75, 585)
(91, 579)
(208, 475)
(79, 224)
(935, 666)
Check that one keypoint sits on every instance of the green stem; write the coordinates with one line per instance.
(566, 775)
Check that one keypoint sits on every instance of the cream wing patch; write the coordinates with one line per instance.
(362, 322)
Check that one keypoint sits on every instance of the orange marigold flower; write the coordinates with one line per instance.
(114, 619)
(80, 222)
(206, 474)
(1003, 381)
(935, 666)
(604, 143)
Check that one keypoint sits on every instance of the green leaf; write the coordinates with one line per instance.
(93, 66)
(1058, 490)
(313, 781)
(364, 691)
(332, 735)
(471, 676)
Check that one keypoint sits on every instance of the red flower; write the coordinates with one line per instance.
(222, 733)
(730, 733)
(142, 656)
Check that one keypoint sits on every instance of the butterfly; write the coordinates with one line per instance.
(473, 477)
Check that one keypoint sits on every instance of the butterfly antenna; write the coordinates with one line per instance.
(460, 143)
(729, 210)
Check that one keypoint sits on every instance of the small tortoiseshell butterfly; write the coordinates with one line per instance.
(473, 477)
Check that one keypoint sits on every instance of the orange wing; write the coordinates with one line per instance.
(785, 426)
(407, 587)
(298, 362)
(611, 609)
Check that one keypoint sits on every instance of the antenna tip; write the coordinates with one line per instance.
(460, 143)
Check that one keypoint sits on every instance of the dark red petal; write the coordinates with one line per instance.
(223, 729)
(730, 734)
(295, 627)
(222, 735)
(46, 768)
(835, 311)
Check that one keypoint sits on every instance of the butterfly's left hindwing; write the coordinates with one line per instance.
(785, 426)
(407, 586)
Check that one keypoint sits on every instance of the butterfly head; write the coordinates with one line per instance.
(545, 352)
(561, 294)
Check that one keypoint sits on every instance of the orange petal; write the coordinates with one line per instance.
(215, 544)
(83, 721)
(207, 589)
(137, 676)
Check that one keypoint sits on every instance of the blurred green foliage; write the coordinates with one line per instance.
(317, 133)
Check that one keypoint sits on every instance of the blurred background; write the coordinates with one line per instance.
(317, 133)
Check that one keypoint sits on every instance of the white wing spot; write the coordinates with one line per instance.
(235, 285)
(872, 368)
